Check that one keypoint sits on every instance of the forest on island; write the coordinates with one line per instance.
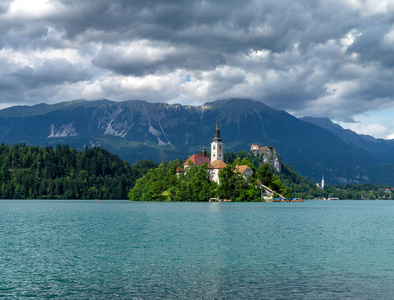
(302, 187)
(62, 172)
(163, 184)
(32, 172)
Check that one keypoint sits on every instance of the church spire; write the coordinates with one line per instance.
(217, 137)
(217, 149)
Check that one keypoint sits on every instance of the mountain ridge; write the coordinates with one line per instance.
(380, 147)
(137, 129)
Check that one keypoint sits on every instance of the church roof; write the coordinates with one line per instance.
(242, 168)
(217, 137)
(217, 164)
(197, 160)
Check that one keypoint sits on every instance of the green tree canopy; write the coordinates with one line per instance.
(28, 172)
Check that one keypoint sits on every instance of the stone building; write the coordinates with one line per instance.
(268, 155)
(213, 170)
(244, 170)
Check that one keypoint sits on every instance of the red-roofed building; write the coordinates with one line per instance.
(179, 171)
(254, 147)
(197, 160)
(217, 164)
(214, 169)
(244, 170)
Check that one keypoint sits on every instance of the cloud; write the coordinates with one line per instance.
(5, 6)
(373, 129)
(325, 59)
(143, 57)
(31, 76)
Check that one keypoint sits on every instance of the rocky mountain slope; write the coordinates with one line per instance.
(384, 149)
(157, 131)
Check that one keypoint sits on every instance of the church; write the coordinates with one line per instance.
(215, 163)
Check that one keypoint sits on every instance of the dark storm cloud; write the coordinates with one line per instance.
(16, 81)
(55, 71)
(306, 56)
(138, 63)
(226, 26)
(5, 6)
(372, 45)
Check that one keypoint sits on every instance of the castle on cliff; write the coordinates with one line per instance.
(269, 155)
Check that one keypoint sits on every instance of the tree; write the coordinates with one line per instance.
(64, 172)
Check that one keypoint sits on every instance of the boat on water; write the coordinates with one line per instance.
(288, 200)
(219, 200)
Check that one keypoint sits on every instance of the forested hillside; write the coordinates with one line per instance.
(302, 187)
(31, 172)
(162, 183)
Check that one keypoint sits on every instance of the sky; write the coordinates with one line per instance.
(317, 58)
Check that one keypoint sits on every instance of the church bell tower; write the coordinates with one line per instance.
(217, 149)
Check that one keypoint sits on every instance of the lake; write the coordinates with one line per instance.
(139, 250)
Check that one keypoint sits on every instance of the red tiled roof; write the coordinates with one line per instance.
(197, 160)
(241, 169)
(179, 170)
(254, 146)
(217, 164)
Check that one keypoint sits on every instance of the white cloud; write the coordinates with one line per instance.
(349, 39)
(373, 129)
(389, 39)
(31, 8)
(323, 59)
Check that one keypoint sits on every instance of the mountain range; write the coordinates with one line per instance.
(141, 130)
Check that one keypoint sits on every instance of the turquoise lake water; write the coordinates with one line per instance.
(138, 250)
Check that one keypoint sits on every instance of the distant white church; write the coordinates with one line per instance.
(321, 185)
